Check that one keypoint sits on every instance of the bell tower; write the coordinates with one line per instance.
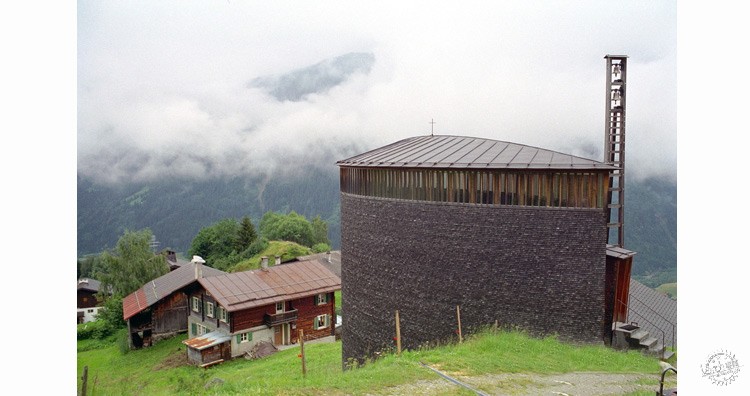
(614, 145)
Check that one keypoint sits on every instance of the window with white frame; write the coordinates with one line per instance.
(244, 337)
(196, 304)
(321, 322)
(321, 299)
(280, 307)
(210, 309)
(223, 314)
(198, 329)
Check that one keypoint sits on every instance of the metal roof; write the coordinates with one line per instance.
(163, 286)
(445, 151)
(207, 340)
(248, 289)
(334, 265)
(618, 252)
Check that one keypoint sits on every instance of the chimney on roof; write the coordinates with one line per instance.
(198, 261)
(278, 260)
(328, 256)
(264, 263)
(172, 256)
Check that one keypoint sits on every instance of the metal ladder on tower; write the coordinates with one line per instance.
(614, 150)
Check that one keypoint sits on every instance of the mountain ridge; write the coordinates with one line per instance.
(177, 209)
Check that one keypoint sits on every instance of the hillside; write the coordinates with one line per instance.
(175, 210)
(527, 366)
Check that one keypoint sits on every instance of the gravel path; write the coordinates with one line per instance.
(578, 384)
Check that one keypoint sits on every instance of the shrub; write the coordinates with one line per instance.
(122, 342)
(98, 330)
(321, 248)
(255, 248)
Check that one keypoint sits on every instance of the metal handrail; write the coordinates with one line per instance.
(663, 334)
(630, 296)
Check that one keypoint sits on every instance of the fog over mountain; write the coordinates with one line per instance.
(316, 79)
(198, 90)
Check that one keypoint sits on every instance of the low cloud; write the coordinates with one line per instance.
(254, 89)
(316, 79)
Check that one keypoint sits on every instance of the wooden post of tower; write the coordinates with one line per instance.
(614, 146)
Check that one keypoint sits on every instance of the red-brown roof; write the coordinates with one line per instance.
(248, 289)
(133, 303)
(207, 340)
(163, 286)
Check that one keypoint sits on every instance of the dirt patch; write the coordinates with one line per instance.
(579, 384)
(524, 384)
(176, 359)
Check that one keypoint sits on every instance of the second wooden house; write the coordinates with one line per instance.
(230, 314)
(159, 309)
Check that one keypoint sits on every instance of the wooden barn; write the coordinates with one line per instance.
(159, 309)
(233, 314)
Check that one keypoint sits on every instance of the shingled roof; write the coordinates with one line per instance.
(89, 284)
(163, 286)
(444, 151)
(653, 311)
(248, 289)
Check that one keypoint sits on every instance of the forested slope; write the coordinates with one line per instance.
(175, 210)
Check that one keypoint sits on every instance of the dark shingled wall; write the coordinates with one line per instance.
(540, 269)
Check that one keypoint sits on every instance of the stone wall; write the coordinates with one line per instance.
(539, 269)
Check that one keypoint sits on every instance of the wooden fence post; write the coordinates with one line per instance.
(398, 334)
(85, 379)
(302, 351)
(458, 316)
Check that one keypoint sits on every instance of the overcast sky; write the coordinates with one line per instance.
(170, 88)
(164, 79)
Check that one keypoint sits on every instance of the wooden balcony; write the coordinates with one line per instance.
(279, 318)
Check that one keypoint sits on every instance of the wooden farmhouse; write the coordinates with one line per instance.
(234, 313)
(159, 309)
(88, 303)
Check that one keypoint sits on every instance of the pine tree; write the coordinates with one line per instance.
(246, 235)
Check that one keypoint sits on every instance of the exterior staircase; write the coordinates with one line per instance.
(632, 336)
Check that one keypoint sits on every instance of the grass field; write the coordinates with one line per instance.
(669, 288)
(163, 369)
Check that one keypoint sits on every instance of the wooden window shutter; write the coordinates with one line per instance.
(315, 321)
(328, 320)
(315, 300)
(239, 338)
(193, 329)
